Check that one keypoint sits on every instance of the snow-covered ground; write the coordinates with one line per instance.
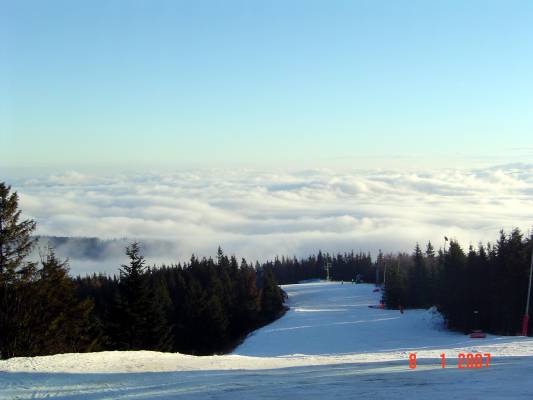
(329, 344)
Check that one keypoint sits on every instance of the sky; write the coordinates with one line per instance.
(109, 85)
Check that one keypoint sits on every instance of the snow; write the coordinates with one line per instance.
(330, 343)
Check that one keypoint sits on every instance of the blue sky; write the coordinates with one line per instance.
(275, 83)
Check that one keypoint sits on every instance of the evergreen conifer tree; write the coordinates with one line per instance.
(139, 316)
(60, 322)
(15, 236)
(271, 296)
(16, 274)
(418, 280)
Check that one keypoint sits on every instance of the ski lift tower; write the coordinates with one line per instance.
(327, 267)
(525, 321)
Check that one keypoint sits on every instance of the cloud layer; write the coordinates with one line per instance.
(262, 214)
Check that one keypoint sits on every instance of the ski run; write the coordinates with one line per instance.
(329, 345)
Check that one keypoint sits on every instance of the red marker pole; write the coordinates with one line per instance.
(525, 321)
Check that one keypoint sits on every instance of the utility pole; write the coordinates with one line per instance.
(525, 321)
(378, 263)
(327, 267)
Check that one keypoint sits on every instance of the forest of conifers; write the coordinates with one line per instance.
(202, 307)
(491, 279)
(206, 306)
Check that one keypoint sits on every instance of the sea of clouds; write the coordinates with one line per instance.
(259, 215)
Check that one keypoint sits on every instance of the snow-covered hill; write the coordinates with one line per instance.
(329, 344)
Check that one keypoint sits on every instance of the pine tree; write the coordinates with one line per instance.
(379, 267)
(271, 296)
(15, 236)
(418, 280)
(132, 300)
(139, 318)
(430, 250)
(247, 303)
(395, 290)
(16, 274)
(60, 322)
(159, 336)
(454, 293)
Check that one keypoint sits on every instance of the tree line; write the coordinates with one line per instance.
(483, 288)
(342, 267)
(201, 307)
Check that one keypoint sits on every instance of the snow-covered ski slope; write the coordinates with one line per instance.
(330, 344)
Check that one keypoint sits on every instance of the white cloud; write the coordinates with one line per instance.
(262, 214)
